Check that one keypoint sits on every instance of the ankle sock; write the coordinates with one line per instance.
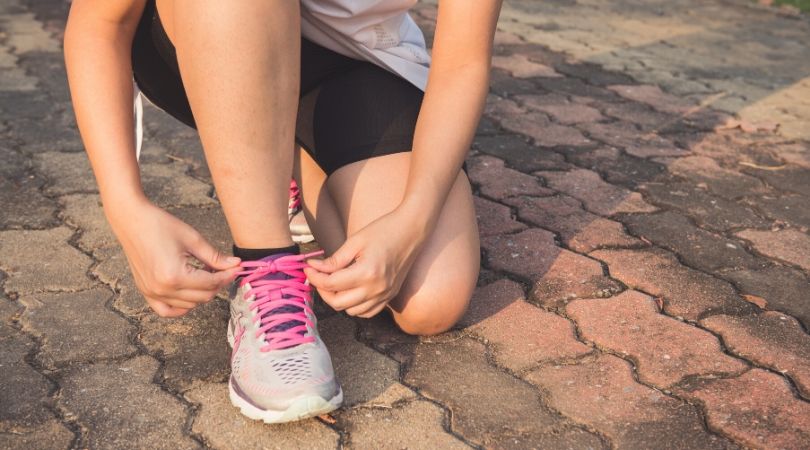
(255, 254)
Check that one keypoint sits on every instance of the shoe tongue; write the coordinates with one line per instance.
(285, 308)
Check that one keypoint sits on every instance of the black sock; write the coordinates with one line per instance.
(255, 254)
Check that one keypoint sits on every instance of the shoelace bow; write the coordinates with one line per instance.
(272, 295)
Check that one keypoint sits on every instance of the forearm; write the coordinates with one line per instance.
(97, 56)
(450, 112)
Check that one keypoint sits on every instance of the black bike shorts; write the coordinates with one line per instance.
(349, 110)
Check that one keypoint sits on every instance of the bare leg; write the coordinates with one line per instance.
(240, 64)
(440, 284)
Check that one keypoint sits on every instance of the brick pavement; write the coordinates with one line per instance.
(645, 276)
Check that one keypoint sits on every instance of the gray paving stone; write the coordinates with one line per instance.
(788, 209)
(85, 212)
(25, 391)
(598, 196)
(221, 425)
(170, 185)
(698, 248)
(34, 261)
(710, 211)
(723, 182)
(24, 206)
(193, 347)
(628, 137)
(122, 408)
(364, 373)
(414, 425)
(67, 173)
(782, 288)
(519, 154)
(75, 326)
(49, 436)
(617, 167)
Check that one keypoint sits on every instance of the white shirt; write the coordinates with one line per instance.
(378, 31)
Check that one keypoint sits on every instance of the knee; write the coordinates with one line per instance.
(432, 311)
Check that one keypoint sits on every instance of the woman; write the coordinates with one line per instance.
(383, 144)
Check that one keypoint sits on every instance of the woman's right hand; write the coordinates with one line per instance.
(159, 248)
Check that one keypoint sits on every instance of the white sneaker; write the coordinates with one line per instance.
(280, 368)
(298, 223)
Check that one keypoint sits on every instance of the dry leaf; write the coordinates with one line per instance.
(757, 300)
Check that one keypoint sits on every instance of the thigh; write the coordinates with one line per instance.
(441, 281)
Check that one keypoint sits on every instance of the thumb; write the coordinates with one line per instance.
(344, 256)
(209, 255)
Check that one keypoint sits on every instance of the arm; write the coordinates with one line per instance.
(456, 92)
(98, 42)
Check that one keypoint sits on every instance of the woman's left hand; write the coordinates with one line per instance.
(368, 270)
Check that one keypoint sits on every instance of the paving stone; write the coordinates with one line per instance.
(381, 332)
(789, 209)
(698, 248)
(647, 119)
(494, 218)
(50, 435)
(557, 275)
(788, 245)
(222, 426)
(653, 96)
(573, 86)
(363, 373)
(518, 334)
(710, 211)
(598, 196)
(617, 167)
(519, 154)
(521, 67)
(579, 230)
(29, 132)
(24, 405)
(782, 288)
(768, 416)
(796, 153)
(488, 407)
(498, 182)
(566, 113)
(75, 326)
(665, 350)
(414, 425)
(723, 182)
(84, 211)
(498, 107)
(504, 84)
(24, 206)
(31, 259)
(67, 172)
(193, 347)
(602, 393)
(635, 142)
(102, 395)
(685, 292)
(543, 131)
(169, 185)
(734, 148)
(770, 339)
(791, 179)
(593, 74)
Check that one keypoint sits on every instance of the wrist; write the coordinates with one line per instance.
(418, 216)
(119, 207)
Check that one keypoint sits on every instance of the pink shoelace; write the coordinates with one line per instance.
(279, 302)
(295, 197)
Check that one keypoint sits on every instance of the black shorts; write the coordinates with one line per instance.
(349, 110)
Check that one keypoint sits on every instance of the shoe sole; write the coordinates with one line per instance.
(302, 238)
(301, 408)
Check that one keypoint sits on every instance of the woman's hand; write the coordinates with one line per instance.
(368, 270)
(159, 248)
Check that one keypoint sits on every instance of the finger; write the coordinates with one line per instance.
(344, 256)
(363, 308)
(373, 311)
(342, 300)
(164, 310)
(210, 256)
(190, 297)
(340, 280)
(198, 279)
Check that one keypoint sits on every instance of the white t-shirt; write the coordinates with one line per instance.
(378, 31)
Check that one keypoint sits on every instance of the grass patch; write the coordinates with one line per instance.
(803, 5)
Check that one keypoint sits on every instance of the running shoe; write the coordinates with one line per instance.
(280, 368)
(298, 223)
